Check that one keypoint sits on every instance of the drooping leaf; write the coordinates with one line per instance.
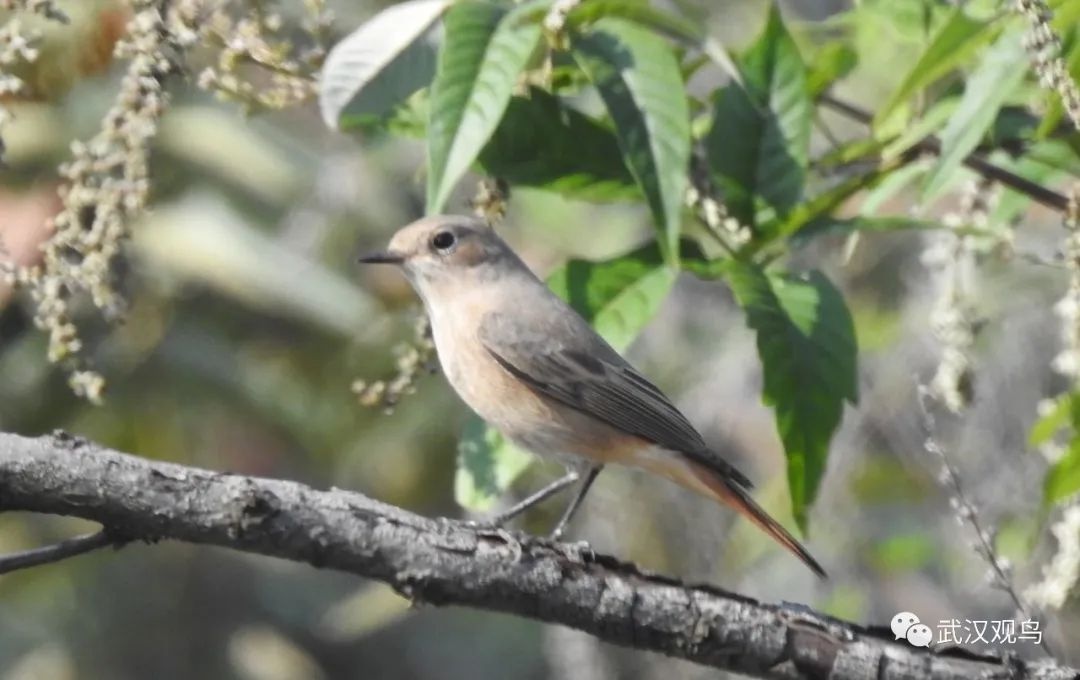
(1002, 68)
(485, 49)
(834, 61)
(954, 41)
(639, 80)
(806, 342)
(759, 140)
(380, 64)
(618, 297)
(544, 144)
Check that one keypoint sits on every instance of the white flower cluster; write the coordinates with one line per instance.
(1063, 572)
(1067, 362)
(1044, 46)
(107, 183)
(715, 216)
(19, 46)
(282, 73)
(414, 359)
(950, 255)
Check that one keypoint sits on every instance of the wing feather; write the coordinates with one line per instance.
(596, 381)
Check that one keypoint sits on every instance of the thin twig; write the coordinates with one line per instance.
(975, 162)
(966, 510)
(826, 131)
(56, 552)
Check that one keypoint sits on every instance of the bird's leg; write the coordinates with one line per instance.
(568, 514)
(538, 497)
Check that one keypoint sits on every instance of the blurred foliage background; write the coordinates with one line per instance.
(248, 322)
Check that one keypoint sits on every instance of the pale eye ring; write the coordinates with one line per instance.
(443, 241)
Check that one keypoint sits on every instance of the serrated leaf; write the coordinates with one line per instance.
(484, 52)
(806, 343)
(617, 297)
(759, 140)
(1002, 69)
(639, 80)
(954, 41)
(832, 62)
(487, 464)
(1063, 478)
(379, 65)
(544, 144)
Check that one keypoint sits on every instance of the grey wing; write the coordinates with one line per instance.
(575, 367)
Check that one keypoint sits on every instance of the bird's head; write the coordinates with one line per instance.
(444, 253)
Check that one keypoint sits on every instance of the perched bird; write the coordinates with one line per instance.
(531, 367)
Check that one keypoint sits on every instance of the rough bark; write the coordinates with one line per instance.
(444, 562)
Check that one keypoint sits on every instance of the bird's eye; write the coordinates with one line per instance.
(443, 240)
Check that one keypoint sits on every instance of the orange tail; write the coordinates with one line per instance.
(732, 494)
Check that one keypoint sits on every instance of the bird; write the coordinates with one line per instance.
(531, 367)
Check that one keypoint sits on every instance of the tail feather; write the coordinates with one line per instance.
(731, 493)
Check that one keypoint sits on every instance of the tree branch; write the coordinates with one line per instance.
(442, 561)
(56, 552)
(974, 161)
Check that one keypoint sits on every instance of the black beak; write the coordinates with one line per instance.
(384, 257)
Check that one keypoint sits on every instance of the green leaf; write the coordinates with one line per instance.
(1063, 478)
(617, 297)
(1048, 425)
(487, 465)
(928, 124)
(833, 61)
(542, 143)
(806, 342)
(758, 144)
(906, 20)
(639, 80)
(484, 51)
(890, 186)
(379, 65)
(1001, 71)
(824, 203)
(954, 41)
(641, 12)
(638, 11)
